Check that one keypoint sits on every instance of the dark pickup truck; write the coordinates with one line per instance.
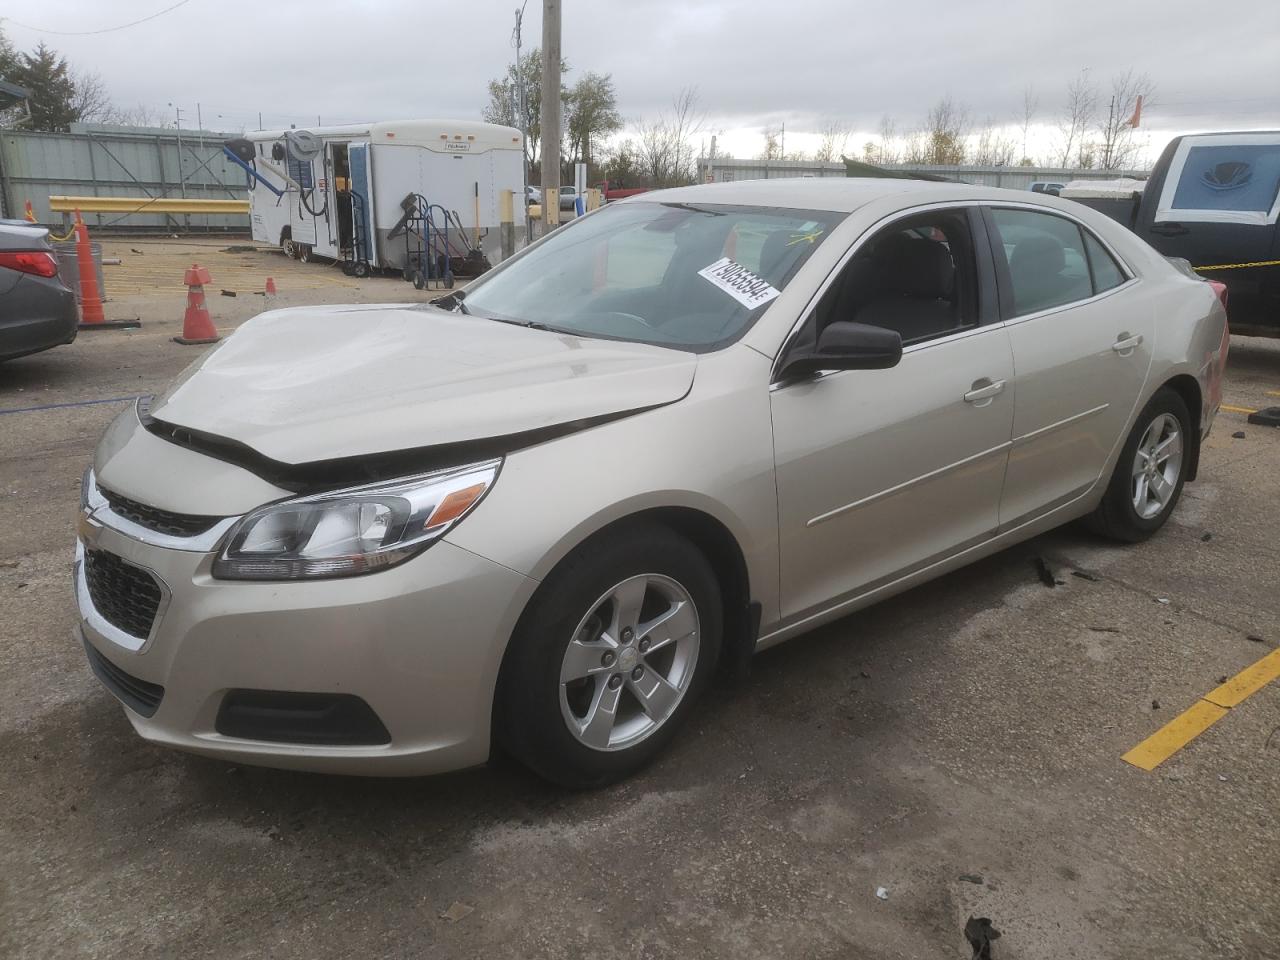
(1213, 200)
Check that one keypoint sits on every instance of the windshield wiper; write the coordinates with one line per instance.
(530, 324)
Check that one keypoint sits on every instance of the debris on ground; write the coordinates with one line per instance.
(1254, 638)
(1155, 704)
(971, 878)
(228, 293)
(1222, 679)
(1238, 435)
(882, 893)
(240, 248)
(135, 250)
(1105, 629)
(1162, 599)
(1045, 574)
(1085, 575)
(456, 912)
(1206, 537)
(980, 933)
(1222, 778)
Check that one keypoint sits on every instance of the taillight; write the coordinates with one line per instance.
(1220, 289)
(36, 262)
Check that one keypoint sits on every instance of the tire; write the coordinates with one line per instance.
(304, 252)
(1118, 516)
(545, 722)
(360, 269)
(419, 281)
(289, 248)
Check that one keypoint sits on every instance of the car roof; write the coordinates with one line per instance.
(840, 194)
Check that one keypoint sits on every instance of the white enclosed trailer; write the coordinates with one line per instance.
(345, 200)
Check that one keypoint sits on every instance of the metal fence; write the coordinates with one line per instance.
(721, 170)
(103, 161)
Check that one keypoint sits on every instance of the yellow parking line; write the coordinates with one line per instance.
(1206, 711)
(1273, 393)
(1227, 406)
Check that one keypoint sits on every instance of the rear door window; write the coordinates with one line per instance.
(1045, 259)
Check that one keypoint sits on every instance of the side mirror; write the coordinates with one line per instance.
(844, 345)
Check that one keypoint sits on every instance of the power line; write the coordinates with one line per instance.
(85, 33)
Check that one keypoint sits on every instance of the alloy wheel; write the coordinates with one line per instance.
(629, 663)
(1157, 465)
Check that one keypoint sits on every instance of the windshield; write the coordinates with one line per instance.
(690, 276)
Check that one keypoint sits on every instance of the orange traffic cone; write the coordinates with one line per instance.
(30, 214)
(271, 286)
(196, 325)
(91, 315)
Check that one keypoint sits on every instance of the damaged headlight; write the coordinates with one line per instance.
(352, 531)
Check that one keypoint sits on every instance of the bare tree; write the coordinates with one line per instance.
(991, 148)
(665, 150)
(139, 116)
(90, 101)
(1117, 144)
(1077, 118)
(1030, 107)
(833, 140)
(887, 150)
(915, 147)
(772, 144)
(945, 128)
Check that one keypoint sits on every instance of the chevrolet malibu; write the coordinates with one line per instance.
(540, 513)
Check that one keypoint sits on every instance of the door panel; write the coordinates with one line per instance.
(881, 471)
(1075, 396)
(1082, 357)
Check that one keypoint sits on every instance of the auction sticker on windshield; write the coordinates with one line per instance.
(739, 282)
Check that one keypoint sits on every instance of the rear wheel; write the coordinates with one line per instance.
(610, 656)
(1149, 476)
(304, 252)
(288, 247)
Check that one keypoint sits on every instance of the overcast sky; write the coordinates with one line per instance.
(1215, 66)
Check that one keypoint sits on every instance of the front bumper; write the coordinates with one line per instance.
(420, 643)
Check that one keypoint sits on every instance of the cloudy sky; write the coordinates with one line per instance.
(754, 64)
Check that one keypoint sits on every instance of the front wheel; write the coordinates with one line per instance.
(610, 656)
(1149, 476)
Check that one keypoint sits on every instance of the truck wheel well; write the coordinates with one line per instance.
(1186, 387)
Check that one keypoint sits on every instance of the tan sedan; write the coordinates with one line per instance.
(680, 430)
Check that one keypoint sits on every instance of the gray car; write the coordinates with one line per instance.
(681, 429)
(36, 310)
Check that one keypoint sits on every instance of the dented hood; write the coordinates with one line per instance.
(317, 383)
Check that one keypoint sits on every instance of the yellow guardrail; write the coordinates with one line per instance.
(145, 205)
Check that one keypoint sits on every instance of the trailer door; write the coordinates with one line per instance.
(361, 202)
(304, 204)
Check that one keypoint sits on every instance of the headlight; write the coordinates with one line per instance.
(352, 531)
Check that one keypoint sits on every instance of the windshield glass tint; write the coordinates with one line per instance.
(690, 276)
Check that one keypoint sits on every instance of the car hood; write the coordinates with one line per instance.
(313, 384)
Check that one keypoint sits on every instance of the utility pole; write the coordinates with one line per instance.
(782, 150)
(524, 127)
(550, 104)
(182, 181)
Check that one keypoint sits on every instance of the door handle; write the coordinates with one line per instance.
(1169, 229)
(1125, 344)
(983, 391)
